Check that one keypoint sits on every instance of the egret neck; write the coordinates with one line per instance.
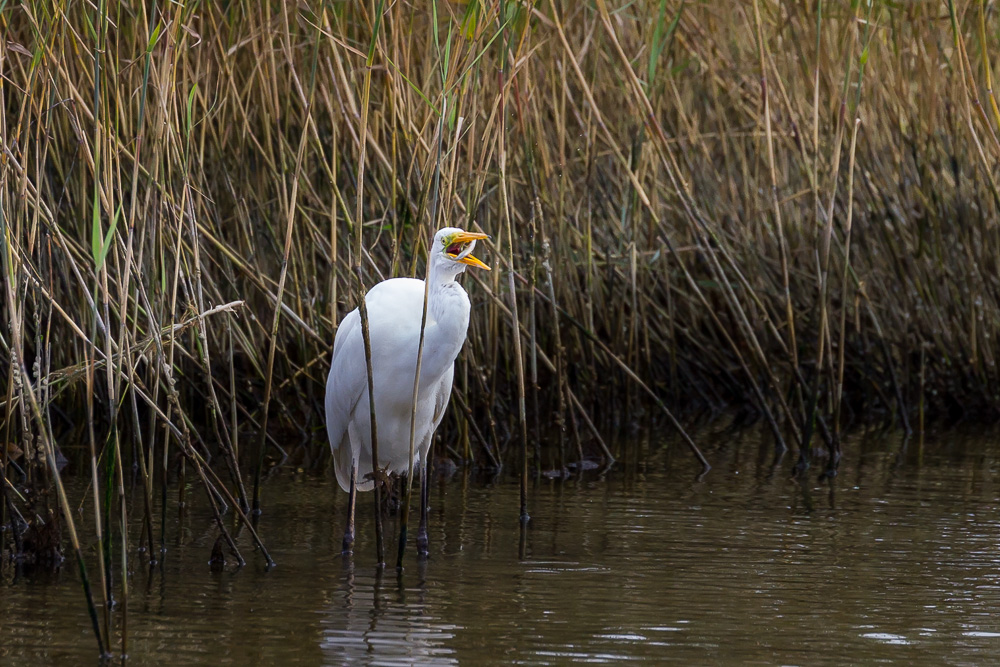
(448, 310)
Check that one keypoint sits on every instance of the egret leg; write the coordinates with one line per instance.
(348, 546)
(403, 520)
(425, 493)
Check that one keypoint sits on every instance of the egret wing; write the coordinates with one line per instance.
(344, 385)
(442, 394)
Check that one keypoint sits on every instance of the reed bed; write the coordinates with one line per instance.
(783, 210)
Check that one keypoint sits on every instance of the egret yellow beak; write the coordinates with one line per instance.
(469, 237)
(474, 261)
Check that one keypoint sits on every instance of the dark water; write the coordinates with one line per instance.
(898, 561)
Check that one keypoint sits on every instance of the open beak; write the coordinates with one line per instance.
(471, 237)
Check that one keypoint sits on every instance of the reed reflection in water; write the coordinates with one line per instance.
(895, 560)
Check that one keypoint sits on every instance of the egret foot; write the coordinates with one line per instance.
(379, 476)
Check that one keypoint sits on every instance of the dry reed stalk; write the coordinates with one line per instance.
(360, 290)
(515, 323)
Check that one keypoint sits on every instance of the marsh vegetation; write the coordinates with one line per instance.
(785, 212)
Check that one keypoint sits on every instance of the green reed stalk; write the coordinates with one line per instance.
(843, 284)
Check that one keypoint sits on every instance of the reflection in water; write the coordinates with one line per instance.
(893, 560)
(372, 623)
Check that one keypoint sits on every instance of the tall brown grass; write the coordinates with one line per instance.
(784, 208)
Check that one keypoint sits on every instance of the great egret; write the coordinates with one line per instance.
(395, 310)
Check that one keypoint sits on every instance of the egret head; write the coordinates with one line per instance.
(452, 249)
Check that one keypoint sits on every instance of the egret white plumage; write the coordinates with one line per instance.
(395, 311)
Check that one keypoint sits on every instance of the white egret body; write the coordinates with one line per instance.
(395, 309)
